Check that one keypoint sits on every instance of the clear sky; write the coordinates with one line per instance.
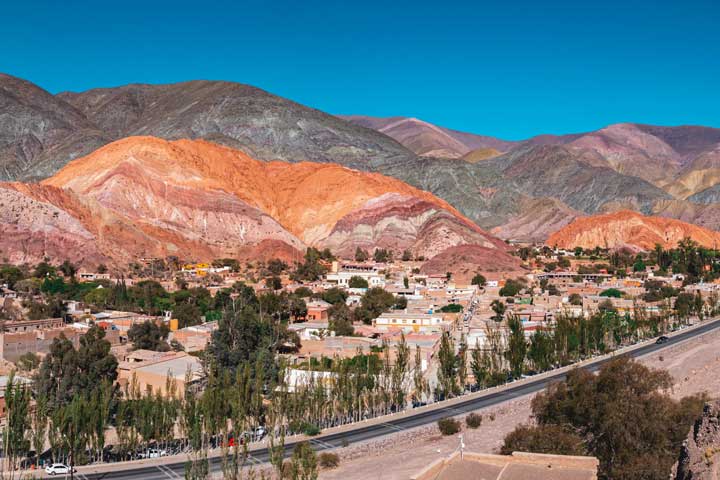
(509, 68)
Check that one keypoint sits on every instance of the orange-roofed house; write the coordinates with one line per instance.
(317, 311)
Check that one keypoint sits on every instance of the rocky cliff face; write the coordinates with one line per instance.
(144, 196)
(538, 218)
(37, 128)
(631, 230)
(700, 454)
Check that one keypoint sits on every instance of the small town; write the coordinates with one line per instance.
(374, 240)
(318, 344)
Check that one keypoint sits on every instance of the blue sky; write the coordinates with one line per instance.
(511, 69)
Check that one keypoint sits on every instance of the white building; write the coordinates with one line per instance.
(411, 322)
(342, 278)
(311, 330)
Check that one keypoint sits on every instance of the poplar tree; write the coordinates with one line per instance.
(447, 368)
(517, 346)
(16, 431)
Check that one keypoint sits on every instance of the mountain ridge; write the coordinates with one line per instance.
(621, 166)
(144, 196)
(628, 229)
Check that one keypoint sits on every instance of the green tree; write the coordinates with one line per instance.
(187, 314)
(149, 336)
(611, 292)
(511, 288)
(44, 269)
(451, 308)
(517, 346)
(499, 308)
(303, 463)
(10, 275)
(382, 255)
(479, 366)
(361, 255)
(16, 431)
(340, 318)
(479, 280)
(552, 439)
(357, 282)
(276, 266)
(68, 269)
(541, 351)
(575, 299)
(639, 265)
(244, 338)
(38, 426)
(334, 295)
(624, 417)
(28, 362)
(375, 301)
(65, 373)
(273, 283)
(420, 384)
(312, 268)
(447, 369)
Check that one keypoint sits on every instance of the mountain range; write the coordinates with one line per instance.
(521, 190)
(149, 197)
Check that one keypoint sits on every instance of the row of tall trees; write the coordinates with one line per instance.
(507, 353)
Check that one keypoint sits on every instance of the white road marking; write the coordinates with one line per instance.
(393, 427)
(324, 445)
(167, 471)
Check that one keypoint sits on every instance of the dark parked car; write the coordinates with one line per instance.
(661, 340)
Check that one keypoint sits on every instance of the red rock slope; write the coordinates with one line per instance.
(195, 199)
(630, 229)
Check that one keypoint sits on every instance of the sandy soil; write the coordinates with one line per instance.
(693, 365)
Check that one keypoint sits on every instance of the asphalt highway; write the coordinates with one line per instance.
(363, 433)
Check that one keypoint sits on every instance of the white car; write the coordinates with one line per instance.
(57, 469)
(155, 453)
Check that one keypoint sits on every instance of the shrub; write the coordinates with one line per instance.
(311, 430)
(357, 282)
(512, 287)
(611, 292)
(448, 426)
(328, 460)
(451, 308)
(543, 439)
(473, 420)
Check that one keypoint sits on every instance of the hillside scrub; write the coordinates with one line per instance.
(624, 416)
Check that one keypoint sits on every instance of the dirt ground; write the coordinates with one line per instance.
(693, 365)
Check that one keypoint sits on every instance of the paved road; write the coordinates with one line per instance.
(368, 432)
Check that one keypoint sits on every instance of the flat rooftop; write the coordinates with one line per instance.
(518, 466)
